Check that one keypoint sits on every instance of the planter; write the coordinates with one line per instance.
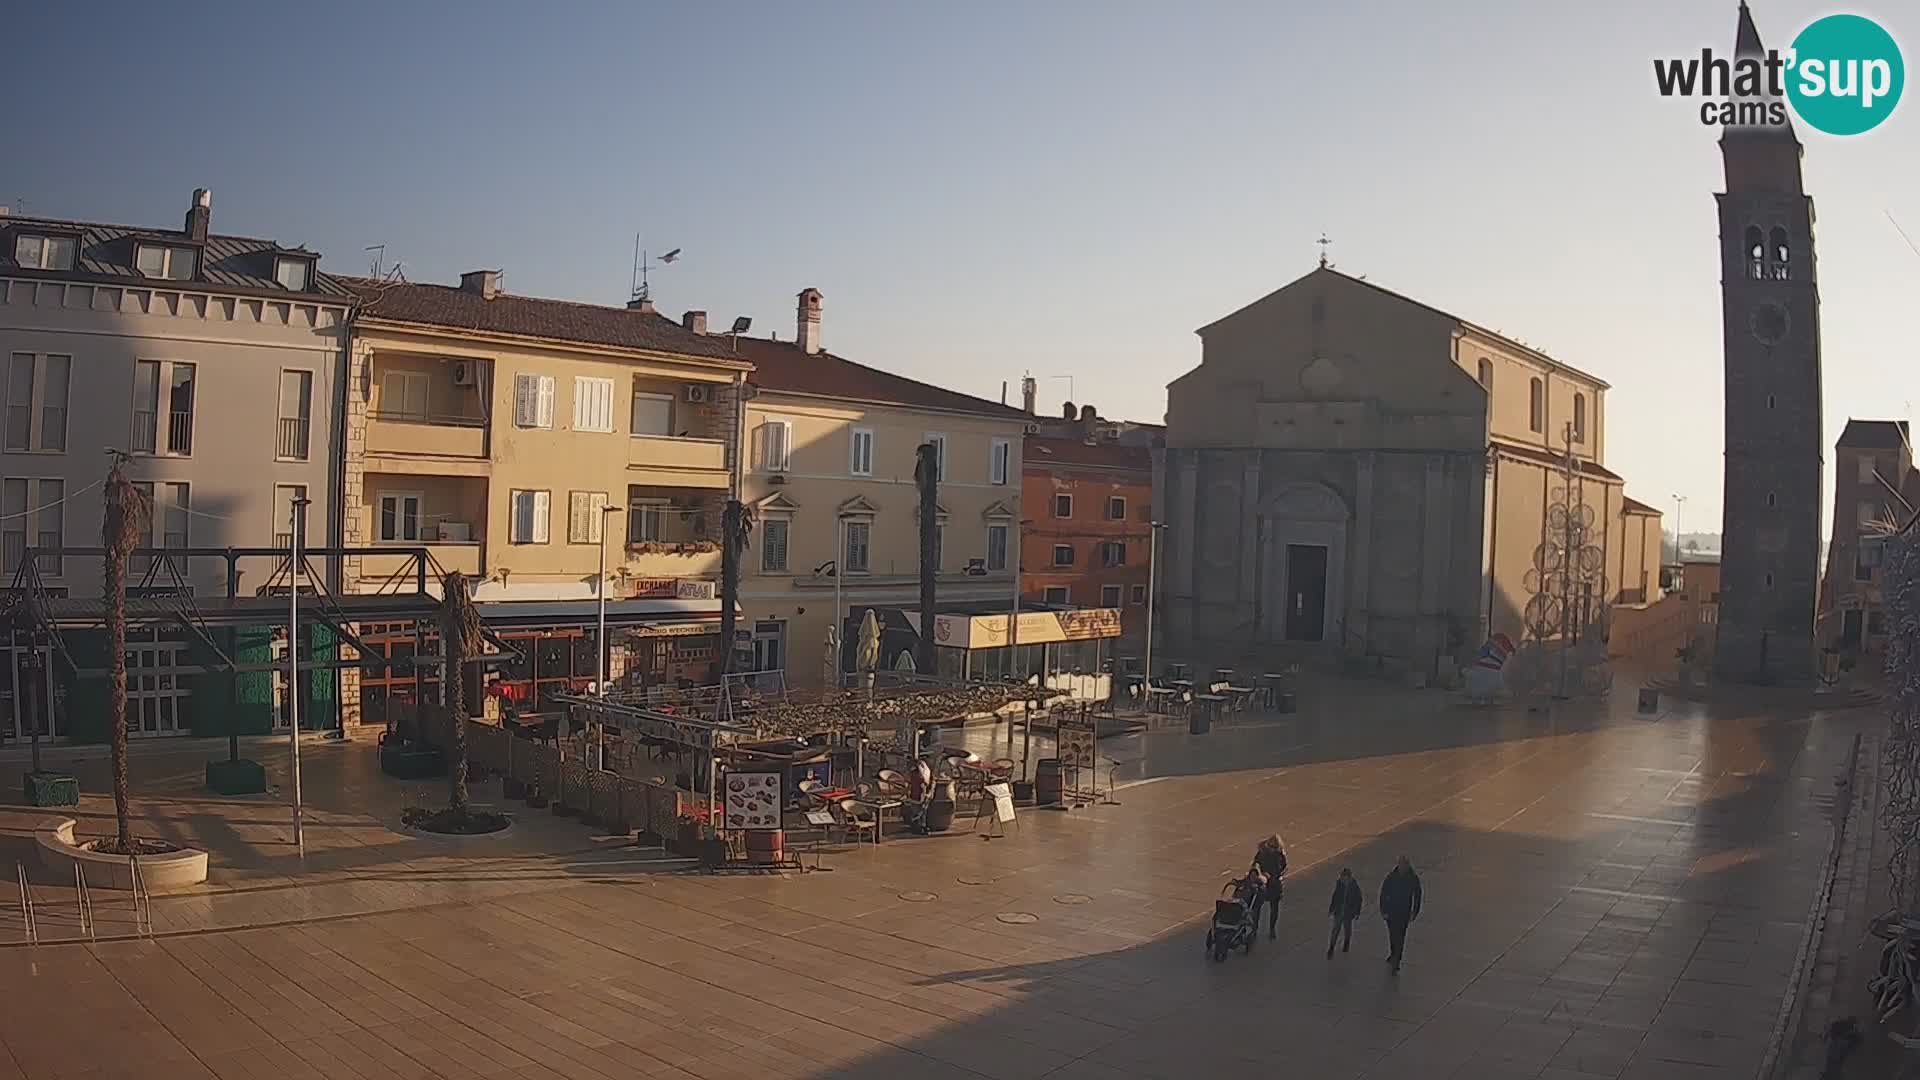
(411, 762)
(241, 777)
(686, 839)
(713, 853)
(165, 872)
(50, 789)
(1023, 792)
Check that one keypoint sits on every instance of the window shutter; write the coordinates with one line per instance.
(545, 410)
(780, 448)
(577, 517)
(542, 510)
(524, 412)
(522, 528)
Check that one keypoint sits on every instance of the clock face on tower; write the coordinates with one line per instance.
(1768, 323)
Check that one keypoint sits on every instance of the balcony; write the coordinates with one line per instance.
(667, 461)
(416, 435)
(292, 443)
(468, 558)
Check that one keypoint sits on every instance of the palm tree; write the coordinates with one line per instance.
(460, 639)
(736, 527)
(926, 477)
(120, 528)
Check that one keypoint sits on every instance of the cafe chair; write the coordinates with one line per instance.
(856, 820)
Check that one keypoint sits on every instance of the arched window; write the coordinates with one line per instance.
(1580, 418)
(1537, 405)
(1756, 253)
(1779, 254)
(1486, 375)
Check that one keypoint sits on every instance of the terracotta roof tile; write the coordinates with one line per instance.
(782, 366)
(1041, 450)
(531, 316)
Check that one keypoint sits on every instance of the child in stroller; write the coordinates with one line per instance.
(1233, 923)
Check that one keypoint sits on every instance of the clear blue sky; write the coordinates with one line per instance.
(986, 189)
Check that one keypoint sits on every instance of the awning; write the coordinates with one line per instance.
(622, 613)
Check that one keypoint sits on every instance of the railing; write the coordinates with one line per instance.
(283, 540)
(293, 438)
(13, 549)
(1632, 596)
(51, 565)
(673, 453)
(418, 433)
(143, 431)
(180, 431)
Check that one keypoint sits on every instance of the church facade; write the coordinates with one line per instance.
(1352, 470)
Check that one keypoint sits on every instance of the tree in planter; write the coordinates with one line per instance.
(736, 528)
(120, 528)
(926, 478)
(460, 639)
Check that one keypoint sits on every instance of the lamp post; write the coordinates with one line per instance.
(298, 515)
(1153, 565)
(839, 615)
(600, 638)
(1679, 504)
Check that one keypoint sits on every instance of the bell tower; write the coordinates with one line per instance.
(1774, 467)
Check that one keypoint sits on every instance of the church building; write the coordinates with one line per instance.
(1349, 469)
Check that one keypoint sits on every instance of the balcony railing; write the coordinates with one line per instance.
(697, 462)
(143, 429)
(180, 431)
(293, 437)
(13, 548)
(416, 433)
(283, 540)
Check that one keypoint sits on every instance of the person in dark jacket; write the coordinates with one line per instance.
(1399, 906)
(1271, 860)
(1343, 909)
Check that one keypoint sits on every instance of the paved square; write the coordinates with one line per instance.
(1607, 895)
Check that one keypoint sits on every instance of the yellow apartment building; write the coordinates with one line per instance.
(830, 458)
(508, 436)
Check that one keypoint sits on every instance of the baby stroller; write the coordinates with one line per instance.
(1233, 924)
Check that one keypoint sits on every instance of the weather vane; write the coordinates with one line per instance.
(1323, 242)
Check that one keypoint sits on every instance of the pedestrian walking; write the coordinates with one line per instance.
(1343, 909)
(1271, 860)
(1399, 906)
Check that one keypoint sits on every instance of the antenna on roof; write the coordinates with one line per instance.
(379, 256)
(1324, 244)
(641, 264)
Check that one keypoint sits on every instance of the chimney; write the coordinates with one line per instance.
(1067, 411)
(807, 321)
(1088, 414)
(483, 283)
(1029, 392)
(641, 304)
(200, 214)
(695, 321)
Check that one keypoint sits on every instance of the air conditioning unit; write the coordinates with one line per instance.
(696, 394)
(1033, 429)
(459, 532)
(466, 373)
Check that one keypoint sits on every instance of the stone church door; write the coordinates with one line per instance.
(1306, 592)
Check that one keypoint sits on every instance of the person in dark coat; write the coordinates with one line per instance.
(1399, 906)
(1271, 860)
(1343, 909)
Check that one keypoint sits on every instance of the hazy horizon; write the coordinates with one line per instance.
(1067, 190)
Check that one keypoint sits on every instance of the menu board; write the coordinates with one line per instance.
(753, 800)
(1077, 736)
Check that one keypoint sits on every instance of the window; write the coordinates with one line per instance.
(1109, 596)
(1756, 252)
(165, 261)
(531, 509)
(43, 252)
(37, 401)
(585, 512)
(645, 518)
(1139, 594)
(861, 453)
(179, 383)
(1771, 499)
(403, 395)
(399, 515)
(773, 545)
(1865, 559)
(1780, 253)
(1579, 418)
(1867, 470)
(293, 273)
(533, 401)
(1486, 375)
(1113, 553)
(1063, 554)
(169, 508)
(1865, 513)
(859, 546)
(652, 414)
(1769, 401)
(939, 442)
(284, 496)
(769, 645)
(1116, 508)
(1058, 594)
(296, 421)
(1536, 406)
(1063, 506)
(14, 523)
(999, 461)
(592, 404)
(772, 446)
(49, 522)
(996, 547)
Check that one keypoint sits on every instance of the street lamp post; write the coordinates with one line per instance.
(298, 515)
(1679, 504)
(1153, 565)
(600, 638)
(839, 615)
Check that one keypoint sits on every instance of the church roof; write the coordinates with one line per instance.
(1517, 346)
(1631, 505)
(1874, 435)
(1538, 456)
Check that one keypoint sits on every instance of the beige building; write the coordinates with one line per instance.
(505, 433)
(830, 460)
(1875, 485)
(1349, 468)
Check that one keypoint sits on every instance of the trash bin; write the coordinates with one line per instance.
(1048, 782)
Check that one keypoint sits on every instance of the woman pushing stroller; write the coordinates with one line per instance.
(1269, 864)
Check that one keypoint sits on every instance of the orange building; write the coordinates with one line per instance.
(1084, 540)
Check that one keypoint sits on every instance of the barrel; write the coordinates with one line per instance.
(1048, 782)
(766, 847)
(940, 807)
